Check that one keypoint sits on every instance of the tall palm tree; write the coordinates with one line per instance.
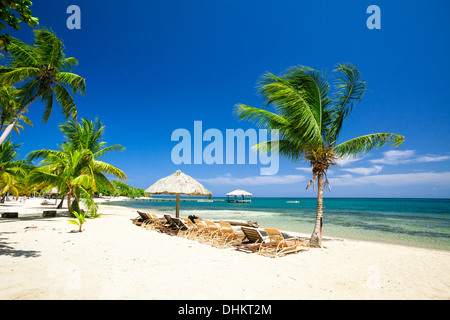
(309, 120)
(75, 168)
(45, 72)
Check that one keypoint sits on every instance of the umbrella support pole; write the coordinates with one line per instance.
(178, 206)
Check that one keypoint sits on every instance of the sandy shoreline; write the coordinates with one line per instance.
(41, 258)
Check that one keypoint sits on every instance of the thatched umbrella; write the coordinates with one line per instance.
(237, 193)
(176, 184)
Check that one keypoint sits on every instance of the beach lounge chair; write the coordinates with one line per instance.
(200, 228)
(143, 219)
(277, 245)
(225, 237)
(252, 240)
(180, 226)
(186, 227)
(209, 232)
(169, 226)
(140, 219)
(153, 223)
(195, 228)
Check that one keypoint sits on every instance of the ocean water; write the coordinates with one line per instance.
(415, 222)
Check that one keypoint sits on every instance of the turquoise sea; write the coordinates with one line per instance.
(415, 222)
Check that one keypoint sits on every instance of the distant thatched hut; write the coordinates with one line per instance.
(239, 196)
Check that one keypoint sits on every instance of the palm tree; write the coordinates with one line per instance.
(309, 120)
(88, 135)
(11, 169)
(45, 72)
(75, 168)
(70, 172)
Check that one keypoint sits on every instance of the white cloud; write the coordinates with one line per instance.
(400, 179)
(256, 180)
(395, 157)
(347, 160)
(364, 171)
(431, 158)
(307, 170)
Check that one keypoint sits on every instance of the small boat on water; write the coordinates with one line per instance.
(293, 201)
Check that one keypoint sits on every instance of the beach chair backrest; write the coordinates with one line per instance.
(179, 223)
(200, 223)
(252, 234)
(226, 227)
(190, 224)
(211, 225)
(143, 215)
(274, 235)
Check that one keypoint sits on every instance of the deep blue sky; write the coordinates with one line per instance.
(154, 66)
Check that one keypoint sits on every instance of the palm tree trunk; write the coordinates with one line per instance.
(69, 204)
(316, 237)
(61, 203)
(17, 116)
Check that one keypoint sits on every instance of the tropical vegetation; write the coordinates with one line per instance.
(9, 9)
(80, 219)
(43, 71)
(125, 190)
(75, 168)
(310, 120)
(12, 14)
(12, 170)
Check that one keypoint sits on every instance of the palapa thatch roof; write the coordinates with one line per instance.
(239, 192)
(178, 183)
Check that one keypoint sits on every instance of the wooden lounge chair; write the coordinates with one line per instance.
(144, 219)
(196, 228)
(140, 219)
(187, 228)
(277, 245)
(153, 223)
(180, 226)
(208, 234)
(201, 228)
(225, 237)
(252, 240)
(169, 226)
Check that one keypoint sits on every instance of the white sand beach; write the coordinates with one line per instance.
(41, 258)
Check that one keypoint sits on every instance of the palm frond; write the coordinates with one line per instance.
(67, 64)
(364, 144)
(100, 166)
(49, 47)
(260, 117)
(289, 149)
(104, 151)
(16, 75)
(72, 80)
(23, 55)
(349, 92)
(66, 102)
